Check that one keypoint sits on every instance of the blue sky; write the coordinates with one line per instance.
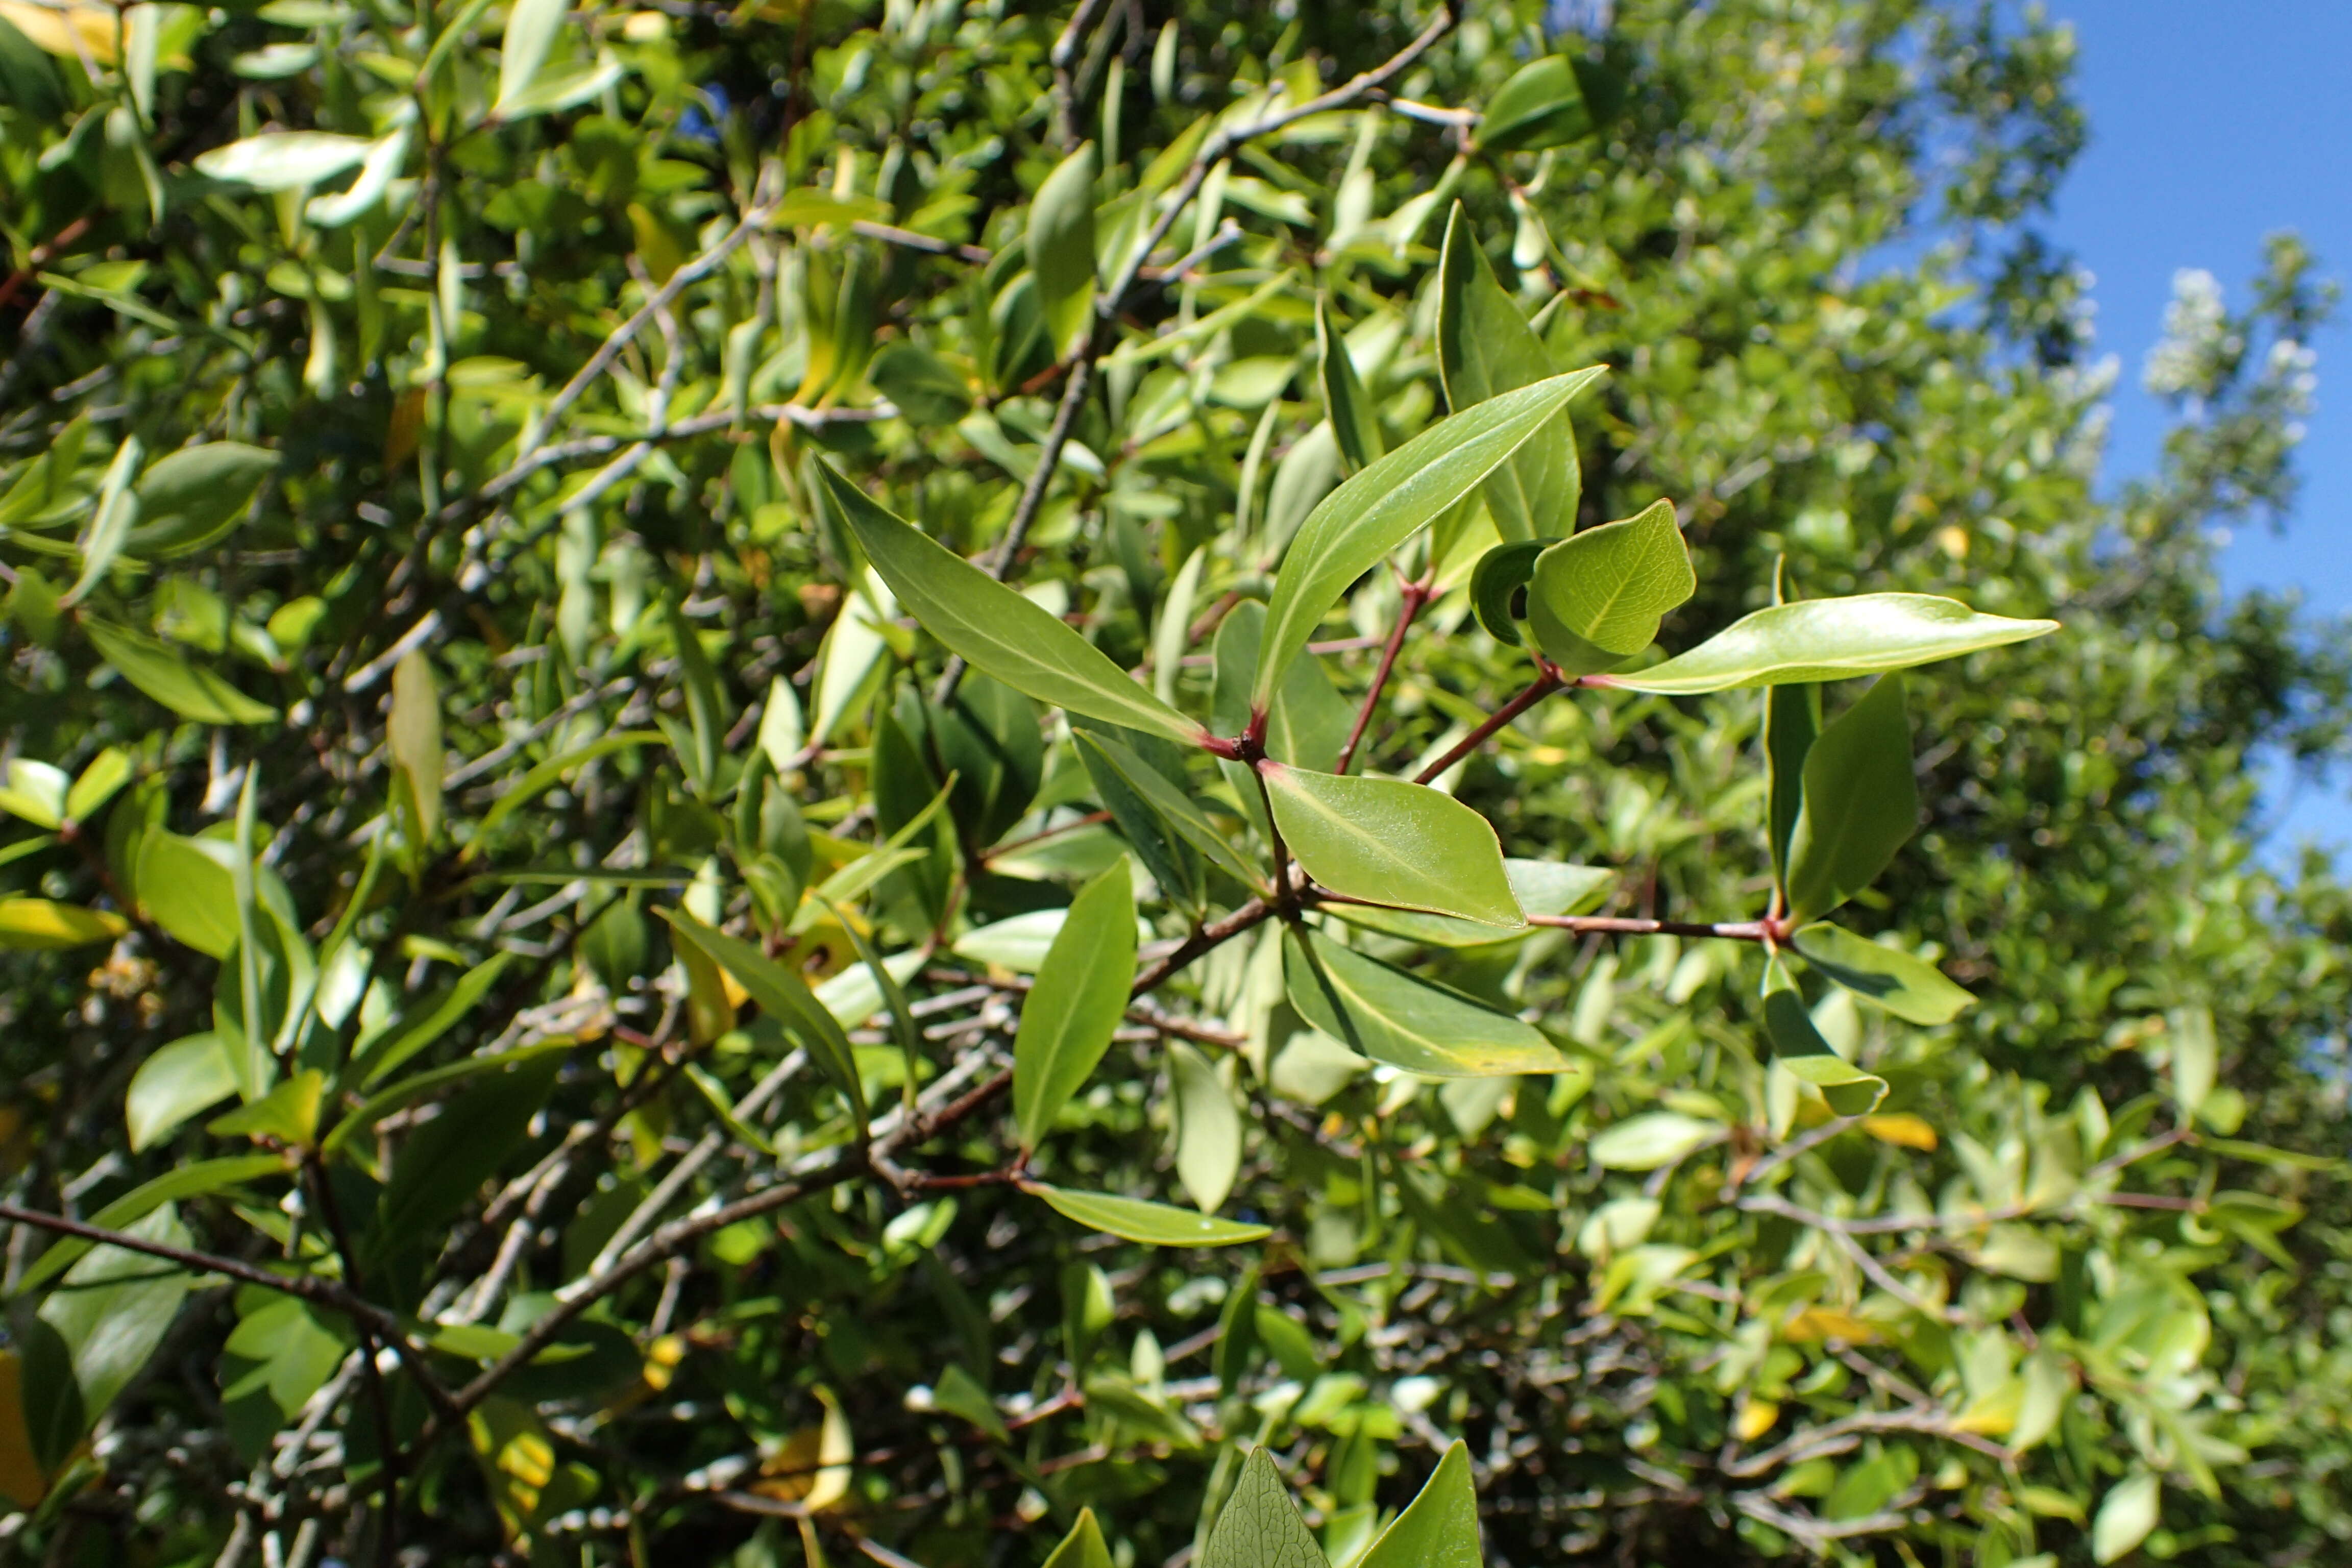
(2212, 125)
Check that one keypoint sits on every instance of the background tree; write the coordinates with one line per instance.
(590, 1036)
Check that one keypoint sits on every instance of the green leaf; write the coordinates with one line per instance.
(1495, 582)
(1083, 1547)
(1439, 1529)
(1911, 988)
(444, 1163)
(115, 1306)
(1260, 1526)
(960, 1393)
(1153, 1225)
(448, 1011)
(376, 174)
(2196, 1056)
(189, 890)
(1354, 421)
(1829, 639)
(782, 997)
(190, 690)
(1061, 246)
(1792, 718)
(1392, 842)
(1861, 803)
(44, 925)
(1542, 105)
(201, 1179)
(1799, 1047)
(192, 498)
(920, 386)
(1208, 1128)
(1175, 806)
(283, 160)
(1012, 638)
(1077, 1005)
(111, 518)
(1486, 348)
(413, 739)
(1597, 598)
(191, 1074)
(1650, 1141)
(1353, 527)
(547, 773)
(532, 26)
(36, 791)
(1541, 888)
(1166, 852)
(289, 1113)
(1393, 1017)
(409, 1090)
(2126, 1518)
(107, 772)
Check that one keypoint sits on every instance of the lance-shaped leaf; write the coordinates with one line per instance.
(1392, 842)
(1909, 987)
(188, 690)
(284, 160)
(1393, 1017)
(193, 497)
(1597, 598)
(413, 738)
(1353, 527)
(1077, 1005)
(1018, 642)
(1541, 888)
(781, 996)
(1208, 1128)
(1830, 640)
(198, 1180)
(1179, 810)
(1861, 803)
(1439, 1529)
(1153, 1225)
(532, 26)
(1799, 1047)
(1542, 105)
(1260, 1527)
(1083, 1546)
(1061, 244)
(1486, 348)
(1345, 401)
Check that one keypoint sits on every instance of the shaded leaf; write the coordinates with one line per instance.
(1355, 423)
(1486, 348)
(1409, 1022)
(194, 497)
(1861, 804)
(781, 996)
(188, 690)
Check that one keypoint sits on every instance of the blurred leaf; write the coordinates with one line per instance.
(1208, 1128)
(1061, 244)
(1542, 105)
(40, 925)
(1486, 348)
(191, 498)
(2126, 1516)
(1153, 1225)
(173, 1083)
(190, 690)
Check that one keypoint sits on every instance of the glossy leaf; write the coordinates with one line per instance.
(103, 775)
(176, 1081)
(1077, 1005)
(1173, 806)
(194, 497)
(1355, 422)
(1208, 1128)
(1009, 637)
(111, 520)
(1392, 842)
(1348, 533)
(413, 739)
(1486, 348)
(1061, 246)
(1793, 718)
(1260, 1526)
(1911, 988)
(1861, 804)
(283, 160)
(530, 30)
(2126, 1517)
(288, 1114)
(44, 925)
(1800, 1048)
(188, 690)
(1830, 640)
(202, 1178)
(1393, 1017)
(1541, 888)
(35, 792)
(782, 997)
(1083, 1546)
(1597, 598)
(1542, 105)
(1153, 1225)
(1651, 1140)
(187, 887)
(1439, 1529)
(116, 1306)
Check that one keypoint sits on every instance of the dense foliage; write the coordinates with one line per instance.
(795, 779)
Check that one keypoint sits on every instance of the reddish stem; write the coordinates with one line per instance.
(1416, 595)
(1545, 685)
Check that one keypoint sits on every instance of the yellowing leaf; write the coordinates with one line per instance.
(41, 924)
(1755, 1418)
(812, 1467)
(1827, 1323)
(1902, 1129)
(21, 1482)
(65, 31)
